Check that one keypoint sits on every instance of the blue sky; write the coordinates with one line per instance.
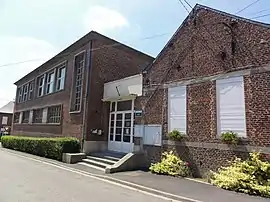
(32, 29)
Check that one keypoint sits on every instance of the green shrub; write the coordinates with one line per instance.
(251, 176)
(170, 165)
(230, 137)
(47, 147)
(176, 135)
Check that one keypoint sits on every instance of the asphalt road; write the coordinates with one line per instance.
(24, 180)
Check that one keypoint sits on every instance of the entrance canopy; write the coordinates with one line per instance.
(126, 88)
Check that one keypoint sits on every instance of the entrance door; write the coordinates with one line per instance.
(121, 131)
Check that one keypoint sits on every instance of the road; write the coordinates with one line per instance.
(25, 180)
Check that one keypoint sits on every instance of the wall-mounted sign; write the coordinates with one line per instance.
(138, 113)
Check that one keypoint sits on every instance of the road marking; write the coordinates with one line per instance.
(109, 180)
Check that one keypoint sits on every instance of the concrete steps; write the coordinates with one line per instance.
(102, 160)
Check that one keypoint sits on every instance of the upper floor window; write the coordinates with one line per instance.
(76, 97)
(54, 114)
(31, 90)
(20, 94)
(40, 85)
(50, 82)
(60, 81)
(25, 116)
(37, 115)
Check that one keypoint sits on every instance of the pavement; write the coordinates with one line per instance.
(25, 180)
(49, 180)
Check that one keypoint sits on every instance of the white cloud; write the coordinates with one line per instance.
(102, 19)
(17, 49)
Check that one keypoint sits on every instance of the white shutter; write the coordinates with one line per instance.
(231, 106)
(177, 105)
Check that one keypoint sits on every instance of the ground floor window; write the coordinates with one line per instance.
(54, 114)
(37, 115)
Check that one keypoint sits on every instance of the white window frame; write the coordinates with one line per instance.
(60, 81)
(50, 78)
(31, 90)
(20, 94)
(219, 84)
(25, 92)
(182, 89)
(40, 86)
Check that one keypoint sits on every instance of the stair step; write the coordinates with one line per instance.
(92, 166)
(102, 160)
(95, 163)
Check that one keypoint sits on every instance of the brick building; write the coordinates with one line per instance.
(63, 97)
(211, 77)
(6, 113)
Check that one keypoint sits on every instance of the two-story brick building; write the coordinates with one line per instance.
(63, 97)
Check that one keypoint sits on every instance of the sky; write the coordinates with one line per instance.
(34, 31)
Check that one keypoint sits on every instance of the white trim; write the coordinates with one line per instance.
(126, 78)
(176, 89)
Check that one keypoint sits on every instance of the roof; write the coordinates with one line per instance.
(194, 11)
(8, 108)
(83, 41)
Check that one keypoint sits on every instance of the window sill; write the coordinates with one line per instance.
(75, 112)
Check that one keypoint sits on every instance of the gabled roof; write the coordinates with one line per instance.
(8, 108)
(92, 35)
(193, 12)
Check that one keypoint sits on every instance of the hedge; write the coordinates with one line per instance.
(46, 147)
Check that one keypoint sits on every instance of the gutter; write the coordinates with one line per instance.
(86, 96)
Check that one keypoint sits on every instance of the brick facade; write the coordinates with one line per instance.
(203, 50)
(105, 62)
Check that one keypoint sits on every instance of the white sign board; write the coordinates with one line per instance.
(4, 120)
(152, 135)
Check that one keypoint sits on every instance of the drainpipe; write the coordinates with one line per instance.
(87, 89)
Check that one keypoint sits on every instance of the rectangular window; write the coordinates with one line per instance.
(77, 83)
(31, 90)
(4, 120)
(54, 114)
(231, 106)
(177, 109)
(25, 92)
(16, 117)
(40, 84)
(60, 81)
(37, 115)
(20, 94)
(25, 117)
(50, 82)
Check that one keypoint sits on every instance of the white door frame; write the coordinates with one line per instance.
(120, 146)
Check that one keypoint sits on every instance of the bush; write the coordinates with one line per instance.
(176, 135)
(47, 147)
(230, 137)
(251, 176)
(170, 165)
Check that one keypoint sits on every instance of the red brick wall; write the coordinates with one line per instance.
(196, 52)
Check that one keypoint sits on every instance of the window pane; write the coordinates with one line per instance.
(118, 138)
(124, 105)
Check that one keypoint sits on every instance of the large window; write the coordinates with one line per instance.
(20, 94)
(40, 85)
(25, 92)
(31, 90)
(54, 114)
(25, 117)
(50, 82)
(231, 106)
(77, 83)
(60, 81)
(177, 106)
(37, 115)
(16, 117)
